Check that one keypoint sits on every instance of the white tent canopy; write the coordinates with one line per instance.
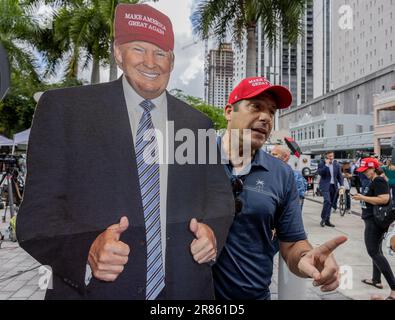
(5, 141)
(21, 137)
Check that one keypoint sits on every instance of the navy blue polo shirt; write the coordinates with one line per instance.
(245, 266)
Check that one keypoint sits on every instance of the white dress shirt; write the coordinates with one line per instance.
(160, 122)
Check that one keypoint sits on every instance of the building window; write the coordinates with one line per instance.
(359, 128)
(340, 130)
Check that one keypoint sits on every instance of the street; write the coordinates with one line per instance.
(20, 278)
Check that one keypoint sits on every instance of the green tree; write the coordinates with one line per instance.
(218, 17)
(83, 31)
(19, 32)
(215, 114)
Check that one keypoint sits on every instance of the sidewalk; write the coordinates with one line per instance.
(351, 255)
(15, 285)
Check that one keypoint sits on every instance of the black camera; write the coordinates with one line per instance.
(8, 161)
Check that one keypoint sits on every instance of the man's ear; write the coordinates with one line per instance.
(228, 111)
(172, 61)
(118, 55)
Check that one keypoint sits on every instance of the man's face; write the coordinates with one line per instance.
(146, 67)
(256, 114)
(369, 173)
(330, 156)
(276, 153)
(280, 154)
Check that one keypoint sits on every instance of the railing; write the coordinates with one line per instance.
(352, 141)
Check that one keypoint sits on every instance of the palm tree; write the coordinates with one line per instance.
(218, 17)
(18, 31)
(83, 31)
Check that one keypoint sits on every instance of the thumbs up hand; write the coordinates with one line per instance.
(204, 247)
(108, 255)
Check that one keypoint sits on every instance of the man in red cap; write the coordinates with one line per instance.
(266, 198)
(113, 208)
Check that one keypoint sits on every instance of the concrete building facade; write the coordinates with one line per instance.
(363, 38)
(346, 112)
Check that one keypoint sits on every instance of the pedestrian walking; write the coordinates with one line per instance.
(375, 193)
(331, 177)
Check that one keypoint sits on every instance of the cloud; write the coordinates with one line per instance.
(188, 73)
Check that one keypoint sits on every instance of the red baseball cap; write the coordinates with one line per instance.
(251, 87)
(367, 163)
(141, 22)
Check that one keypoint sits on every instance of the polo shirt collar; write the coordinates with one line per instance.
(257, 160)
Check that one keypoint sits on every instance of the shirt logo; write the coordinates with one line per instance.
(259, 188)
(259, 185)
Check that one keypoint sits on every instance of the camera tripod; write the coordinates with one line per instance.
(7, 190)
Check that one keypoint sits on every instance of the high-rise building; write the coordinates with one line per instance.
(353, 62)
(363, 38)
(297, 61)
(219, 75)
(322, 47)
(282, 63)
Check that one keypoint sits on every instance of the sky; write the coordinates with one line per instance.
(188, 72)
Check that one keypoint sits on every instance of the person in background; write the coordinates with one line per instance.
(355, 176)
(390, 244)
(331, 177)
(301, 184)
(346, 172)
(389, 172)
(376, 193)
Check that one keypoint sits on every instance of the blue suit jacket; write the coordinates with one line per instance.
(325, 174)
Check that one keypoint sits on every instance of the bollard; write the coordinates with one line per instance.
(290, 287)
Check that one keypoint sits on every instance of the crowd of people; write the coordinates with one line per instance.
(374, 182)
